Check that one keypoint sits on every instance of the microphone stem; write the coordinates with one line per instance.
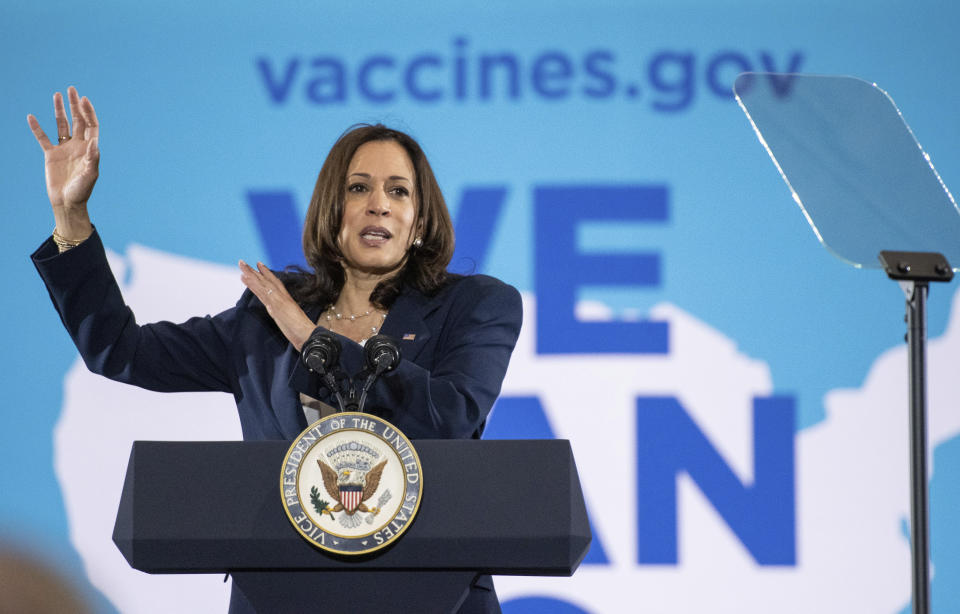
(366, 386)
(331, 383)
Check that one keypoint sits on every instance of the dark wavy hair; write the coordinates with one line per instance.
(425, 267)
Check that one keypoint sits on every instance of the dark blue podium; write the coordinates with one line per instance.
(509, 507)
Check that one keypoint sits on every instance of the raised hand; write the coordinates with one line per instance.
(290, 318)
(70, 165)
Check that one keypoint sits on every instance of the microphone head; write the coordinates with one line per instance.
(321, 352)
(381, 353)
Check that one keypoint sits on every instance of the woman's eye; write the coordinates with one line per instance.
(356, 187)
(400, 191)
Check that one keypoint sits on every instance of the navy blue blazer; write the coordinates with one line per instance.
(455, 347)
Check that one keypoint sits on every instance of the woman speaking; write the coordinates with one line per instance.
(377, 240)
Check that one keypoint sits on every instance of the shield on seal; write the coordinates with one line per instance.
(350, 496)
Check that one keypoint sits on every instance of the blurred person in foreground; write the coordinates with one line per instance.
(29, 585)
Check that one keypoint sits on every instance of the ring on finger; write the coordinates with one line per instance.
(269, 292)
(61, 139)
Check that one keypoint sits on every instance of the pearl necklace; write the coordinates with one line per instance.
(334, 315)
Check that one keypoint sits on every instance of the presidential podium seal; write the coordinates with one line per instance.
(351, 483)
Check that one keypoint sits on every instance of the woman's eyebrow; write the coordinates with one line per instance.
(391, 177)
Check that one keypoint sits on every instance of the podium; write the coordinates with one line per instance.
(508, 507)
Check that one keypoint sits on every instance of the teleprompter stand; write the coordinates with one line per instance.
(915, 271)
(489, 507)
(866, 187)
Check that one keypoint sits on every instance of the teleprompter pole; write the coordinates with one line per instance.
(919, 504)
(915, 271)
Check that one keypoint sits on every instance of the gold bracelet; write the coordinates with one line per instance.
(64, 244)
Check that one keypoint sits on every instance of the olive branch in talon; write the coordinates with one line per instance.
(319, 504)
(381, 502)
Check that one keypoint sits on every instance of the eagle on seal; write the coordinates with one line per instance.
(350, 493)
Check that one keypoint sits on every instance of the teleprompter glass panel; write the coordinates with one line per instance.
(852, 164)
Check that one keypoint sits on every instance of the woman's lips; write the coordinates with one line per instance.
(375, 235)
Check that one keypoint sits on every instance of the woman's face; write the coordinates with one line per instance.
(380, 209)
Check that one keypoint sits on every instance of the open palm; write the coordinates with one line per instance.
(71, 165)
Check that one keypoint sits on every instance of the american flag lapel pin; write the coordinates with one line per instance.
(409, 337)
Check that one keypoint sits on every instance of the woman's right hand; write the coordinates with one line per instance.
(71, 165)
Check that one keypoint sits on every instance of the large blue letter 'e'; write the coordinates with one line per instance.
(560, 270)
(761, 514)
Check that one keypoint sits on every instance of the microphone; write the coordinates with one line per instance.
(382, 355)
(321, 351)
(321, 354)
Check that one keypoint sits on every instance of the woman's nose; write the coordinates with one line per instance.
(378, 204)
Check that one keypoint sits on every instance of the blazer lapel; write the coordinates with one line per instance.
(313, 312)
(406, 322)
